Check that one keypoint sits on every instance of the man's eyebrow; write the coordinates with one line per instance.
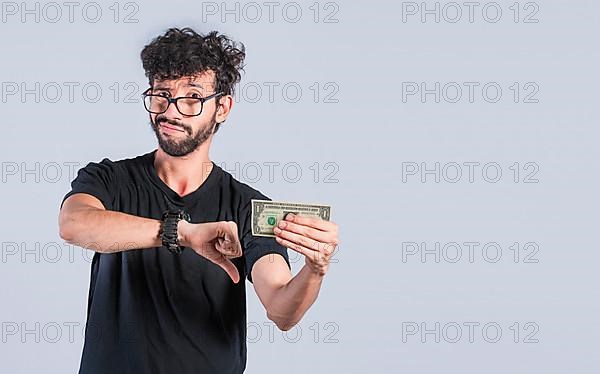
(190, 84)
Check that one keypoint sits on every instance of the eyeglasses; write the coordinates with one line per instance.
(186, 105)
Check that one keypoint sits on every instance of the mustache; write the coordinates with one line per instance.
(161, 118)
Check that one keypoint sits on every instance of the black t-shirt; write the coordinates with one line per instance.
(152, 311)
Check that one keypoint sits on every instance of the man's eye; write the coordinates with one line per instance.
(165, 94)
(196, 95)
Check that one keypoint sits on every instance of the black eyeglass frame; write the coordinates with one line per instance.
(173, 100)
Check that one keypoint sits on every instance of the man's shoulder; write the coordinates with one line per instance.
(117, 165)
(243, 189)
(129, 161)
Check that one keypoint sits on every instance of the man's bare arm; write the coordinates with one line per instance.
(286, 299)
(84, 222)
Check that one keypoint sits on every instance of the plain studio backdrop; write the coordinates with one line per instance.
(455, 142)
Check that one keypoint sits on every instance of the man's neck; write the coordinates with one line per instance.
(183, 174)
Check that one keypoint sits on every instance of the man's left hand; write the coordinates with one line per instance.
(314, 237)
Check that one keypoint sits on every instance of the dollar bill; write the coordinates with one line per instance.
(266, 214)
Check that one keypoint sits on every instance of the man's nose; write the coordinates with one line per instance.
(172, 112)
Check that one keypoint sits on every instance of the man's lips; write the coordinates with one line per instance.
(170, 128)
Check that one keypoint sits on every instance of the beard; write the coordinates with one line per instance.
(181, 147)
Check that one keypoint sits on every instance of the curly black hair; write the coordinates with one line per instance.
(183, 52)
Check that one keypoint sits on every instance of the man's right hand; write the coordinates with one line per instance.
(215, 241)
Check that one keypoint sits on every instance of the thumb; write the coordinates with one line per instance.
(229, 268)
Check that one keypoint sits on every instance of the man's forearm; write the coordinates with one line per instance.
(290, 302)
(108, 231)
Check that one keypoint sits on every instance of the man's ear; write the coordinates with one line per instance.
(224, 106)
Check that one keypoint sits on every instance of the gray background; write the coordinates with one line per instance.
(360, 135)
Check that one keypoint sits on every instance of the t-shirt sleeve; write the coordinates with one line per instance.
(256, 247)
(97, 179)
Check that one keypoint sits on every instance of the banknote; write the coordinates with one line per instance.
(266, 214)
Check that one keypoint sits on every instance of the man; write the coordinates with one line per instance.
(171, 231)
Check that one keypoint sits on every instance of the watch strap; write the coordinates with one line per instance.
(168, 232)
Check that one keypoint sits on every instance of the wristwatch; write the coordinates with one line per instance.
(168, 229)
